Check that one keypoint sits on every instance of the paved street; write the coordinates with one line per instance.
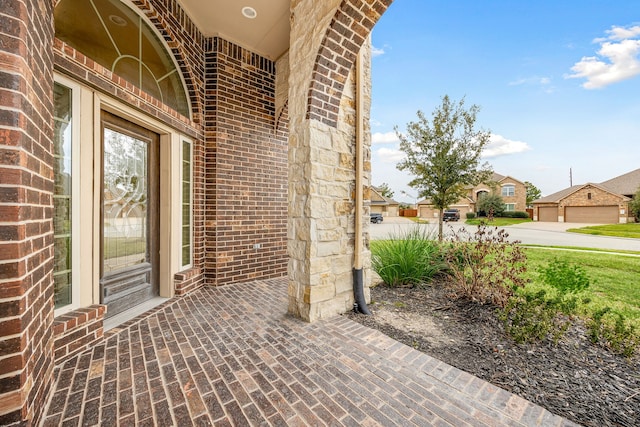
(533, 233)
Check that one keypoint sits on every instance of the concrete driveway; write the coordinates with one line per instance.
(532, 233)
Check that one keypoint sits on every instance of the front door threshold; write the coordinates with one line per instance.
(133, 312)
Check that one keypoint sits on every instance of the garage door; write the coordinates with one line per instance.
(548, 214)
(592, 214)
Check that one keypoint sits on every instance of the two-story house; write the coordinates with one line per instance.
(512, 191)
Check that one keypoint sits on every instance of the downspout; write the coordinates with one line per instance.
(360, 305)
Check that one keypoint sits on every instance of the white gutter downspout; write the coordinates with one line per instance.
(360, 304)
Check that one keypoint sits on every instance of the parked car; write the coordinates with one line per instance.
(451, 215)
(376, 218)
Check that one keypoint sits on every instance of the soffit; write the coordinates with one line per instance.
(267, 34)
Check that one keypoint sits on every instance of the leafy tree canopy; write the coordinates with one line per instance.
(533, 192)
(634, 205)
(385, 190)
(443, 154)
(491, 203)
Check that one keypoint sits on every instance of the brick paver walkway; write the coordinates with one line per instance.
(231, 356)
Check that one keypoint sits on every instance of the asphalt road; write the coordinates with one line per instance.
(533, 233)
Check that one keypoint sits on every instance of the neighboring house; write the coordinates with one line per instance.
(603, 203)
(147, 152)
(383, 205)
(512, 191)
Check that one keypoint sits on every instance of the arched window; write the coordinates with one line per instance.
(119, 39)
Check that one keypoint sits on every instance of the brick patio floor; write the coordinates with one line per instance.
(232, 356)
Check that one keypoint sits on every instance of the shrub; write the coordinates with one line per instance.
(471, 215)
(535, 316)
(485, 266)
(611, 329)
(408, 259)
(529, 317)
(514, 214)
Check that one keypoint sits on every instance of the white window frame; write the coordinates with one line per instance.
(76, 91)
(510, 207)
(184, 140)
(506, 188)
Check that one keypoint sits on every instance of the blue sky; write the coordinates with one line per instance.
(557, 82)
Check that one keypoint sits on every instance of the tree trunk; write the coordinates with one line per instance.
(440, 222)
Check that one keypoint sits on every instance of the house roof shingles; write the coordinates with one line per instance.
(626, 184)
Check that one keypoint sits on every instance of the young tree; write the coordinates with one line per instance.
(491, 203)
(385, 190)
(533, 192)
(443, 154)
(634, 205)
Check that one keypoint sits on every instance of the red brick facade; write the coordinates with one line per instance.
(348, 30)
(246, 174)
(26, 240)
(239, 168)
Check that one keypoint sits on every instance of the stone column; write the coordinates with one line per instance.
(321, 180)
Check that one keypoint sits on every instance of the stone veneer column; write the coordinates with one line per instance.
(321, 180)
(26, 209)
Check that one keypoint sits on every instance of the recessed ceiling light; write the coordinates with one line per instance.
(118, 20)
(249, 12)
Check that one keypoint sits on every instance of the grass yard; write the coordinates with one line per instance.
(497, 222)
(615, 279)
(631, 230)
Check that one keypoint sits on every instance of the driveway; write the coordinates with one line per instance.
(532, 233)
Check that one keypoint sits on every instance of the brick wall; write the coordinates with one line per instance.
(26, 236)
(599, 197)
(246, 176)
(347, 32)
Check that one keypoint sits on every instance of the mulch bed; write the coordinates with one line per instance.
(574, 378)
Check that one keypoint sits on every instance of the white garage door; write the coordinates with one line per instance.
(591, 214)
(548, 214)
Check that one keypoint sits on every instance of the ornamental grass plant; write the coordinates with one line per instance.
(407, 259)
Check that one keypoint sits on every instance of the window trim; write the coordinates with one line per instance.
(184, 140)
(76, 91)
(506, 187)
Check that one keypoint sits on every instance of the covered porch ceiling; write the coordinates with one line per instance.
(267, 33)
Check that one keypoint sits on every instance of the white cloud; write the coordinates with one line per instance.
(617, 59)
(499, 146)
(376, 51)
(390, 155)
(384, 138)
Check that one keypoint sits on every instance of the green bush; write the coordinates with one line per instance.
(535, 316)
(471, 215)
(407, 260)
(485, 267)
(520, 214)
(611, 329)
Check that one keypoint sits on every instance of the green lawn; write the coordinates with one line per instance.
(615, 279)
(497, 222)
(631, 230)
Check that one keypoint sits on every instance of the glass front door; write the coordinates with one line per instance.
(130, 214)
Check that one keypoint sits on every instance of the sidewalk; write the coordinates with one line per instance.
(231, 356)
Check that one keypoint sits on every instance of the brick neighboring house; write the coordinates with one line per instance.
(603, 203)
(512, 191)
(383, 205)
(151, 147)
